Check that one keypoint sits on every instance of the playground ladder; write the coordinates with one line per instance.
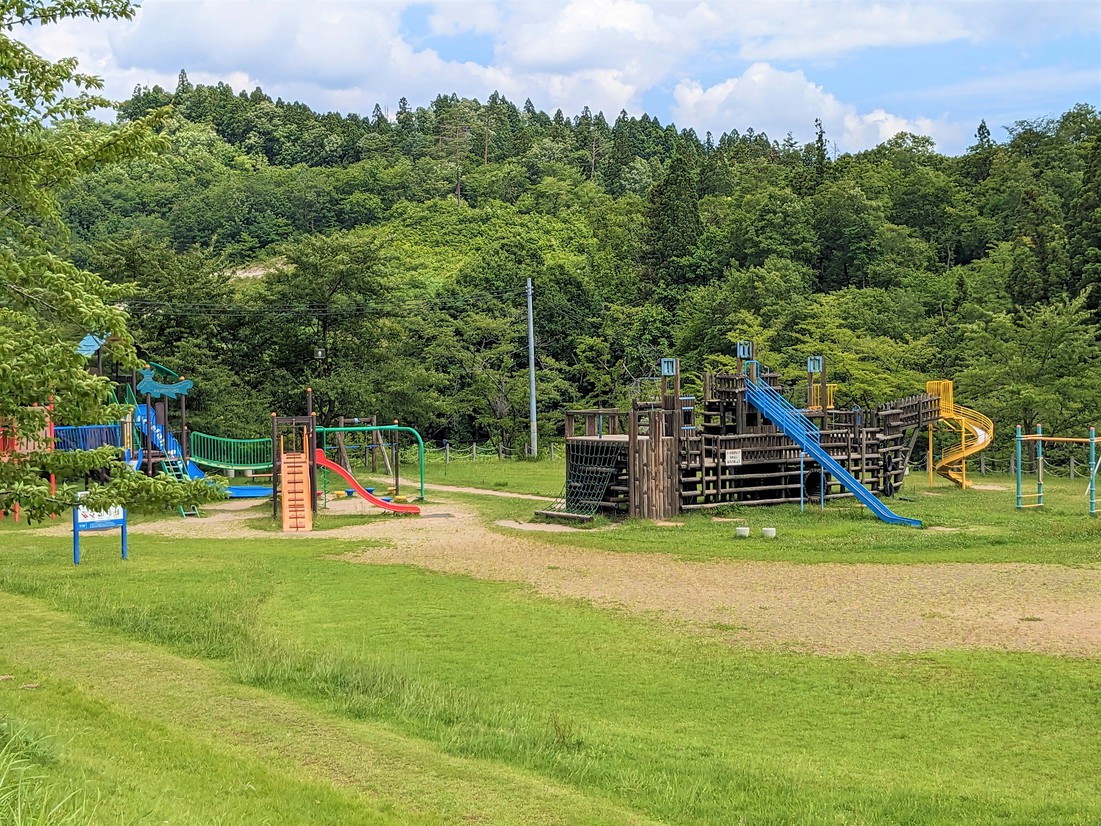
(295, 493)
(176, 470)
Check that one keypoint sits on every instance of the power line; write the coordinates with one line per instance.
(224, 309)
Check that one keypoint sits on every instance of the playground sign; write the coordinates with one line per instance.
(668, 367)
(732, 457)
(89, 520)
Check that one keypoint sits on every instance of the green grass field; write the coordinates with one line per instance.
(543, 478)
(964, 526)
(265, 681)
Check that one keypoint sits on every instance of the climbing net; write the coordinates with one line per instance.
(590, 469)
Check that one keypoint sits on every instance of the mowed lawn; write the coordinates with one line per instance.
(265, 681)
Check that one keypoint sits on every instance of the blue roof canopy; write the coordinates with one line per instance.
(90, 345)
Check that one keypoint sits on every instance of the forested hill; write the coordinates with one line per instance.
(382, 260)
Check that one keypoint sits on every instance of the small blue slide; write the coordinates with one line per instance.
(803, 432)
(164, 441)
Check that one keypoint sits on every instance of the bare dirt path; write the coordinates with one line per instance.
(825, 608)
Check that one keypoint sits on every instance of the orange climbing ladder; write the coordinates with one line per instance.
(975, 430)
(295, 491)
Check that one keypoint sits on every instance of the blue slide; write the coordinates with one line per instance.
(803, 432)
(165, 442)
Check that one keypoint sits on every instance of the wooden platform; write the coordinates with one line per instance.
(681, 453)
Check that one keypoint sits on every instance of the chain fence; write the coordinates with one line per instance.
(1065, 465)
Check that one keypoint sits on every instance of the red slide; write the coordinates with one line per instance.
(322, 461)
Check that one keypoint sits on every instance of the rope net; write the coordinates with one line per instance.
(590, 469)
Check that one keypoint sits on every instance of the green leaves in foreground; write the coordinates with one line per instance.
(47, 305)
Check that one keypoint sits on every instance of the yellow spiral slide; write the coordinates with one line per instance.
(975, 430)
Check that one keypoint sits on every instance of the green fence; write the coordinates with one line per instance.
(234, 454)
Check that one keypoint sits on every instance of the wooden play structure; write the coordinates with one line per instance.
(296, 460)
(294, 475)
(743, 443)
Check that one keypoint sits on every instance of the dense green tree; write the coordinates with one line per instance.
(1043, 365)
(47, 304)
(674, 224)
(1084, 227)
(847, 225)
(643, 240)
(1041, 267)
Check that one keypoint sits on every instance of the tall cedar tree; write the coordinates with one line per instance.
(1084, 227)
(674, 224)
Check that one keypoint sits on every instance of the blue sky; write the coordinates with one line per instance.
(867, 69)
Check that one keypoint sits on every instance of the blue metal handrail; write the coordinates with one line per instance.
(767, 399)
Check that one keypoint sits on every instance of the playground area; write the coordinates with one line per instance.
(970, 582)
(442, 668)
(371, 633)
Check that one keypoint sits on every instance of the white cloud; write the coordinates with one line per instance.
(605, 54)
(460, 16)
(774, 102)
(1035, 84)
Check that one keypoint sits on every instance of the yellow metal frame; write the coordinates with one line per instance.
(976, 432)
(815, 402)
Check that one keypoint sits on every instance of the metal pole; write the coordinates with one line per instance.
(276, 468)
(1093, 471)
(1039, 467)
(531, 378)
(1019, 440)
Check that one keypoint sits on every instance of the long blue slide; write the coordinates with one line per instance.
(804, 433)
(165, 442)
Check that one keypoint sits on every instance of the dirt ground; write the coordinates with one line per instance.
(824, 608)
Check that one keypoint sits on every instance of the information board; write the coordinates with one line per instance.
(85, 519)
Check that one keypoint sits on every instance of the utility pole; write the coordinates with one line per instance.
(531, 379)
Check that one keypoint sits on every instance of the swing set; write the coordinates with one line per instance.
(1039, 438)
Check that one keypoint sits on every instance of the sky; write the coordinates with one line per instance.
(867, 69)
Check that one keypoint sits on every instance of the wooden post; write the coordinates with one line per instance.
(310, 448)
(863, 454)
(342, 450)
(275, 468)
(1072, 466)
(447, 453)
(1012, 466)
(982, 464)
(374, 441)
(474, 452)
(396, 475)
(672, 483)
(929, 456)
(632, 461)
